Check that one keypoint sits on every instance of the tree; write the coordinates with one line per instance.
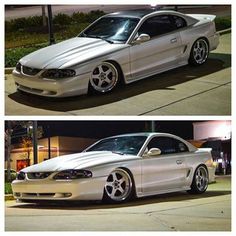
(32, 132)
(27, 146)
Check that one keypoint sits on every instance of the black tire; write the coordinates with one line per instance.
(119, 187)
(104, 78)
(200, 180)
(199, 52)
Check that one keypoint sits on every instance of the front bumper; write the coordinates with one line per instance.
(49, 189)
(77, 85)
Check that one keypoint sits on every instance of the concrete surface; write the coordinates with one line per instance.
(204, 90)
(210, 211)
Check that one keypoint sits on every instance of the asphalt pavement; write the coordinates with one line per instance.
(210, 211)
(204, 90)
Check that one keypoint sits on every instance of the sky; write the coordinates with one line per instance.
(101, 129)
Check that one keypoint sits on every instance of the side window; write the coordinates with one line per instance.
(167, 145)
(178, 22)
(157, 25)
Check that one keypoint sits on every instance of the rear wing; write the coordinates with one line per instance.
(203, 17)
(204, 150)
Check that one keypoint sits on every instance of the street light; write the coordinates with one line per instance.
(35, 142)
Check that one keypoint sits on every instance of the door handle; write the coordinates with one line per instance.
(179, 162)
(173, 40)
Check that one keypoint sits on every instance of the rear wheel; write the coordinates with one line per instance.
(199, 52)
(200, 180)
(119, 186)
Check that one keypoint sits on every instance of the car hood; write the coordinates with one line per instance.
(69, 52)
(78, 161)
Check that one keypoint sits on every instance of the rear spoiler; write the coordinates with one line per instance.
(204, 150)
(203, 17)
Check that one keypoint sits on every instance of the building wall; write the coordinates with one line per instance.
(212, 129)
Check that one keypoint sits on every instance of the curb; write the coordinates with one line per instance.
(9, 70)
(9, 197)
(224, 31)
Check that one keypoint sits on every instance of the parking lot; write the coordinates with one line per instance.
(204, 90)
(169, 212)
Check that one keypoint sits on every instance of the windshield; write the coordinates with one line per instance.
(122, 145)
(113, 29)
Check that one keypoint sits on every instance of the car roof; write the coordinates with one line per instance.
(133, 13)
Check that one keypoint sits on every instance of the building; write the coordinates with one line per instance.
(215, 135)
(59, 145)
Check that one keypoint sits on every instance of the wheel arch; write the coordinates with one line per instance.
(202, 37)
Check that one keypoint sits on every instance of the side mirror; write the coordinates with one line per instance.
(154, 152)
(142, 38)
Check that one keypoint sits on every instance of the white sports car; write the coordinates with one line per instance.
(117, 169)
(119, 47)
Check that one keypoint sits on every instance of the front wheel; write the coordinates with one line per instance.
(199, 52)
(104, 78)
(200, 180)
(118, 187)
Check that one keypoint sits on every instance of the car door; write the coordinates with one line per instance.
(161, 52)
(166, 171)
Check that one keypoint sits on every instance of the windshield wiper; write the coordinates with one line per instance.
(98, 37)
(118, 152)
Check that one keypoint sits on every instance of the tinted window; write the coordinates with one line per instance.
(159, 25)
(178, 22)
(167, 145)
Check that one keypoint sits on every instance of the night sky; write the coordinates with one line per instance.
(101, 129)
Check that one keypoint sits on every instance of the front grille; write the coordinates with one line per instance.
(38, 175)
(30, 71)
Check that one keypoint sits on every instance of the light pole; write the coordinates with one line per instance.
(50, 28)
(35, 142)
(153, 126)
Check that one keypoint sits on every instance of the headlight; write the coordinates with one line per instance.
(73, 174)
(58, 73)
(20, 175)
(18, 67)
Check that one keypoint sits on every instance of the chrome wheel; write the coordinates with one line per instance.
(104, 77)
(200, 51)
(201, 179)
(118, 186)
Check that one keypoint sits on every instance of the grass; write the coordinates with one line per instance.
(8, 189)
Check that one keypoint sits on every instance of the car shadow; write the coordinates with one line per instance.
(90, 205)
(163, 81)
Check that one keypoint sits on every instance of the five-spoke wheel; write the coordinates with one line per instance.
(104, 77)
(119, 186)
(200, 180)
(199, 52)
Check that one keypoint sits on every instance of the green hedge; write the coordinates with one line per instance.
(222, 23)
(8, 189)
(26, 23)
(23, 23)
(12, 56)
